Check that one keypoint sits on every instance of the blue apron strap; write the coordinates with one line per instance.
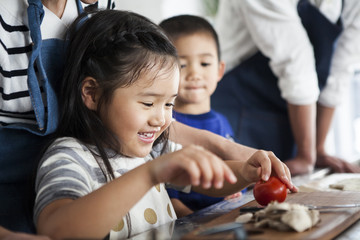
(79, 7)
(35, 15)
(322, 35)
(46, 113)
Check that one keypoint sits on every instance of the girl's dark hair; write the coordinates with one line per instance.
(184, 25)
(115, 48)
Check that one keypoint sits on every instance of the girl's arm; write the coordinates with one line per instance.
(222, 147)
(259, 166)
(93, 215)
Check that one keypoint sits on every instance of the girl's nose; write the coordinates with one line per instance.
(158, 119)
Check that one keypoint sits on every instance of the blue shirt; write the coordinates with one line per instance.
(212, 121)
(216, 123)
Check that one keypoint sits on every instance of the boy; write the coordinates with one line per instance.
(197, 45)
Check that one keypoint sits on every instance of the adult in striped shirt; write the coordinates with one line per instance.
(25, 28)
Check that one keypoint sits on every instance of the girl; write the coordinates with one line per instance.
(100, 175)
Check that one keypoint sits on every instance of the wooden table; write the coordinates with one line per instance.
(184, 226)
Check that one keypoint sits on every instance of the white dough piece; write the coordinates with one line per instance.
(350, 184)
(283, 217)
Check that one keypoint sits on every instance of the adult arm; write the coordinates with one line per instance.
(302, 120)
(346, 57)
(345, 61)
(324, 119)
(310, 136)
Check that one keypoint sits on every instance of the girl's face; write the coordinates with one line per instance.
(138, 114)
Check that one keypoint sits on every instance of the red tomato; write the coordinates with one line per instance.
(268, 191)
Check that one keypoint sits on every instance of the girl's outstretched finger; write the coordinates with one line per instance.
(291, 186)
(218, 171)
(229, 174)
(203, 160)
(282, 171)
(193, 170)
(265, 163)
(279, 168)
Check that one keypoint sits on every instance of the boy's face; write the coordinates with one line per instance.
(200, 72)
(138, 114)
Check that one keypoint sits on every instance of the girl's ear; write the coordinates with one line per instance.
(90, 93)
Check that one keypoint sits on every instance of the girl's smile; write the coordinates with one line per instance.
(147, 137)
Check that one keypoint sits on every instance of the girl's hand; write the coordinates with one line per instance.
(191, 165)
(262, 164)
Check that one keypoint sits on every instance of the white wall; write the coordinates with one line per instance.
(157, 10)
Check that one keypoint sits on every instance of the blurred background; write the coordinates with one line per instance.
(344, 138)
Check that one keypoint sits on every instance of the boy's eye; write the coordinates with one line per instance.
(169, 104)
(182, 65)
(148, 104)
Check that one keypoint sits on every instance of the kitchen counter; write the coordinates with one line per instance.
(182, 226)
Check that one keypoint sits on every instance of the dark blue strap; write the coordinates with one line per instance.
(322, 35)
(35, 16)
(79, 7)
(46, 113)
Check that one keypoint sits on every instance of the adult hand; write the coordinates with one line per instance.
(336, 164)
(300, 165)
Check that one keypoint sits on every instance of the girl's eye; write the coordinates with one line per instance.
(182, 65)
(148, 104)
(205, 64)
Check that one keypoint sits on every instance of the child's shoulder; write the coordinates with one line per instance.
(68, 150)
(69, 142)
(68, 146)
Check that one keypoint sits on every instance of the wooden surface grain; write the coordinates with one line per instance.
(332, 223)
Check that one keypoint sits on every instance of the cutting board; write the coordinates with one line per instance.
(332, 222)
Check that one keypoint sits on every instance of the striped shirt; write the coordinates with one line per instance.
(69, 170)
(15, 50)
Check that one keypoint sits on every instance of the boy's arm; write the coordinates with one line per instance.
(222, 147)
(180, 208)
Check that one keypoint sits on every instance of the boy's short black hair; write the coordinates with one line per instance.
(183, 25)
